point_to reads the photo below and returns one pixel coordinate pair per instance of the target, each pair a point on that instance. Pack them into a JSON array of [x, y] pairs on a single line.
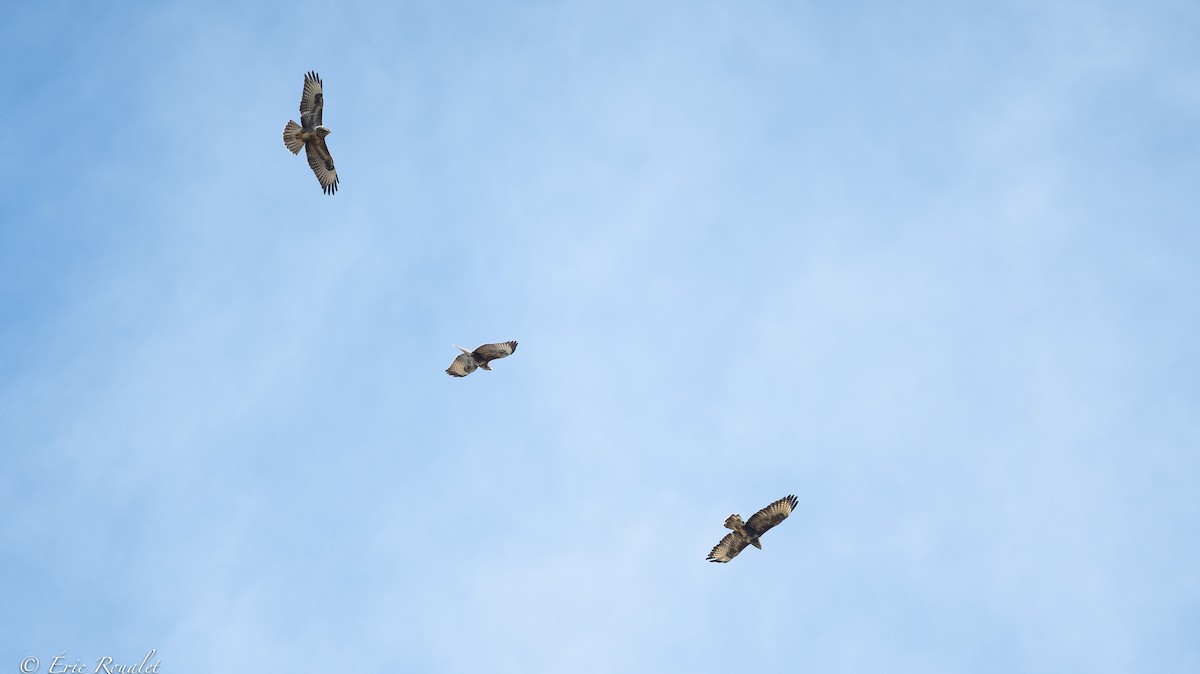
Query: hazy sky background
[[930, 267]]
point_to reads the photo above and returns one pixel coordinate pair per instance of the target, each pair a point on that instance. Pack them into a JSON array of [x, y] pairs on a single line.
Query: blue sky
[[930, 267]]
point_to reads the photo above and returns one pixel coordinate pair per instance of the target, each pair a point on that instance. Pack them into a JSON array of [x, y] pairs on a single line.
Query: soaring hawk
[[310, 134], [747, 533], [468, 361]]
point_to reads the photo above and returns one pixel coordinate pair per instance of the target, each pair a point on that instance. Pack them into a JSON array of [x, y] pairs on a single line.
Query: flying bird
[[310, 134], [747, 533], [468, 361]]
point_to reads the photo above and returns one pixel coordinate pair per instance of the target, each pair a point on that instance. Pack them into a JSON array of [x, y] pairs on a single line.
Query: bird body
[[749, 532], [469, 361], [310, 134]]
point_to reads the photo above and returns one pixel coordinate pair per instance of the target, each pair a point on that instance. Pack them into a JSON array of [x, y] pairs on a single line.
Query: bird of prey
[[468, 361], [747, 533], [310, 134]]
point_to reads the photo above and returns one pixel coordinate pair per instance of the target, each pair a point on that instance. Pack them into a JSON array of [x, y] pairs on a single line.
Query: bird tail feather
[[291, 137], [733, 522]]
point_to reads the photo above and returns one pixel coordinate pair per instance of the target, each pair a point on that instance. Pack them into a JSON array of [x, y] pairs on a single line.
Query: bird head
[[324, 131], [756, 544]]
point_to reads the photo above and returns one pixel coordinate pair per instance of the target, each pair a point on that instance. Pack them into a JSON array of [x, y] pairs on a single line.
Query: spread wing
[[768, 517], [462, 366], [729, 547], [321, 163], [489, 352], [312, 102]]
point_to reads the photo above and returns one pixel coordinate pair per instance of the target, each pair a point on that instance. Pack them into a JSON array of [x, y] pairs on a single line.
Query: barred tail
[[291, 137]]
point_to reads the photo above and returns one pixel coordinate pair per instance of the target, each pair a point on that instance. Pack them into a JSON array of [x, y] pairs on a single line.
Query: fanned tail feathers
[[291, 138]]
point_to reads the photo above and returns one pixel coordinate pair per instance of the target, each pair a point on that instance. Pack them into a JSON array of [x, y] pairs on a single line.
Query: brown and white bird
[[748, 533], [310, 134], [468, 361]]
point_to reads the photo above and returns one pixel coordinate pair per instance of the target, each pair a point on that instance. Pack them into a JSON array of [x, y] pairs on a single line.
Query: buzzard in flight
[[310, 134], [468, 361], [747, 533]]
